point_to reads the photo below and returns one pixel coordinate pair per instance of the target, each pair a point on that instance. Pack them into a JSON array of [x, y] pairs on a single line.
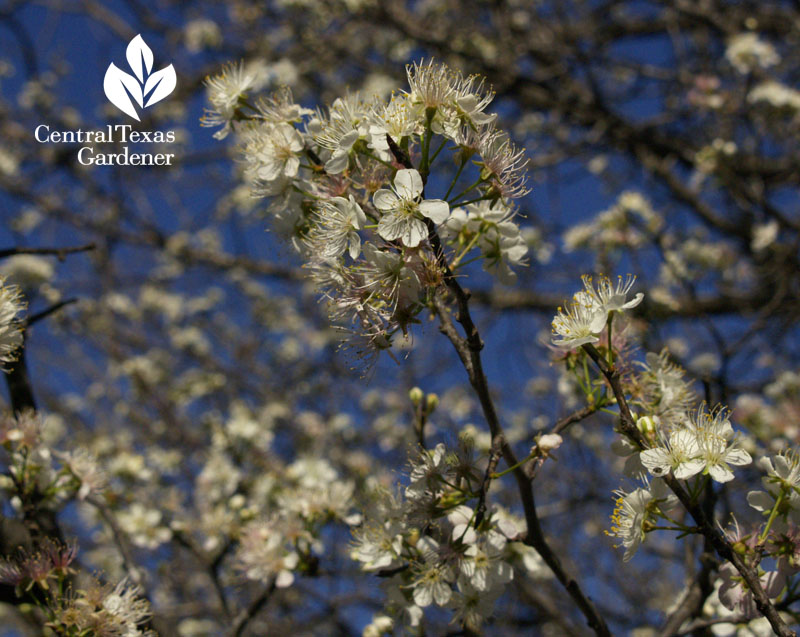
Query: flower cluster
[[11, 305], [40, 568], [492, 228], [662, 388], [687, 445], [782, 484], [37, 467], [704, 443], [733, 592], [772, 417], [435, 548], [747, 52], [225, 92], [630, 223], [41, 576], [674, 439], [588, 312], [350, 187], [102, 609]]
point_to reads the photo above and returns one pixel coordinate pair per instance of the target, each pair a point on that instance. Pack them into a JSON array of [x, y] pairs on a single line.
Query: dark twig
[[692, 601], [249, 613], [531, 468], [20, 389], [35, 318], [210, 564], [125, 548], [61, 253], [420, 420], [700, 624], [494, 457]]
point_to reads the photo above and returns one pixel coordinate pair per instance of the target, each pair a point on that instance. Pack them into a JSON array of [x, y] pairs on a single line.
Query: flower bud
[[647, 425], [416, 395], [431, 402], [549, 442]]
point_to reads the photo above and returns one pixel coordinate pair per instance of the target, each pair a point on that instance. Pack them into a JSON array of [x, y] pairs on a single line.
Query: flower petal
[[292, 166], [355, 245], [688, 469], [284, 579], [415, 231], [385, 200], [337, 163], [435, 209], [346, 142], [391, 227], [656, 460], [737, 456], [720, 473], [408, 183], [760, 500], [633, 302]]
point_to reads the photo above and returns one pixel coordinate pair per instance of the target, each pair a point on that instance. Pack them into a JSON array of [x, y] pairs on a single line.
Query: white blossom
[[681, 456], [340, 220], [275, 151], [609, 297], [629, 519], [11, 305], [403, 212], [345, 125], [225, 92], [747, 52], [580, 324], [434, 579], [718, 447], [143, 525], [499, 237], [484, 565], [266, 550]]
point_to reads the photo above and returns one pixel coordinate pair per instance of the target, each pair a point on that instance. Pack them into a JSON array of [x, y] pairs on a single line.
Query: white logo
[[146, 88]]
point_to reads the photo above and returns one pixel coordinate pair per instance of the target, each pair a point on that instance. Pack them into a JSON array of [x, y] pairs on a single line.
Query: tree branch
[[468, 348], [61, 253], [706, 527], [249, 613]]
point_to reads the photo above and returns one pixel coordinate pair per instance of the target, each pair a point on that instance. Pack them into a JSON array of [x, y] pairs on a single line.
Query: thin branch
[[494, 457], [531, 468], [120, 539], [468, 350], [125, 548], [61, 253], [210, 564], [249, 613], [35, 318], [706, 527], [700, 624], [691, 602]]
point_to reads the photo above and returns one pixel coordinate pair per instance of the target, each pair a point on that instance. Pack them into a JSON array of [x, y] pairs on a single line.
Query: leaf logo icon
[[144, 88]]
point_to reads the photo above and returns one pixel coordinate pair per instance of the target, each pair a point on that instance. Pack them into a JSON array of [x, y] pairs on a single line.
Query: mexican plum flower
[[403, 212], [579, 324]]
